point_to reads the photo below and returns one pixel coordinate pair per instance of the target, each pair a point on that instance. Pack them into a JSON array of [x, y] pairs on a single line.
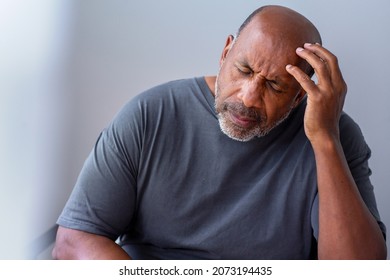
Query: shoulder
[[352, 138], [166, 89], [156, 103], [155, 99]]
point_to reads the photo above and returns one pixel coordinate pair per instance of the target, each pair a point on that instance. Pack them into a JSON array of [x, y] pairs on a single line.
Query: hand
[[325, 99]]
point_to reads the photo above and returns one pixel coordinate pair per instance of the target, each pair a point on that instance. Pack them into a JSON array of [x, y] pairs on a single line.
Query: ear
[[226, 49]]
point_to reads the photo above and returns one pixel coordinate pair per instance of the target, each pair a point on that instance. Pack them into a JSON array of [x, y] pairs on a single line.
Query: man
[[287, 178]]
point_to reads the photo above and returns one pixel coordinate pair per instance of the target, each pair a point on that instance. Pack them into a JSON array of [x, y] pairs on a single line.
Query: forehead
[[261, 41], [265, 56], [267, 47]]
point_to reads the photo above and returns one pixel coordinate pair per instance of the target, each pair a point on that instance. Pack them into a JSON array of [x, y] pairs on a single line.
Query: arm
[[78, 245], [347, 229]]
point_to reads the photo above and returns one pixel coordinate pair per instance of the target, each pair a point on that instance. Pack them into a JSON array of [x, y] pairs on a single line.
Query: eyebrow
[[243, 64], [280, 82], [276, 80]]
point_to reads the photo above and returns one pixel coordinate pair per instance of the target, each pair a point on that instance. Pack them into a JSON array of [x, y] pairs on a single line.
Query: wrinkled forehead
[[274, 38], [259, 44]]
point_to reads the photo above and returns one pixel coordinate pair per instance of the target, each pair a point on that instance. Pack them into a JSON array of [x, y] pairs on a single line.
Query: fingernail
[[307, 44], [299, 49], [288, 66]]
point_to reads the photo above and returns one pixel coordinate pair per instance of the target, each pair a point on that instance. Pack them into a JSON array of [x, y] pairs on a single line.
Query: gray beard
[[238, 133]]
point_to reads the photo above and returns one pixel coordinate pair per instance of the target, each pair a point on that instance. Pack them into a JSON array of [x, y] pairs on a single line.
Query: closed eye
[[244, 70], [274, 86]]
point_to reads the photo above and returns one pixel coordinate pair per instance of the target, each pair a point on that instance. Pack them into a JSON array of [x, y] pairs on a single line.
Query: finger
[[319, 65], [302, 78], [328, 59], [321, 52]]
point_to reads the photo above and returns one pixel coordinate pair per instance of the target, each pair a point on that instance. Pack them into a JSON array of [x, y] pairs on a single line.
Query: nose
[[251, 95]]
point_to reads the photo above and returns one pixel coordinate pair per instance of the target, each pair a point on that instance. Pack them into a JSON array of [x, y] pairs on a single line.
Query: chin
[[242, 135]]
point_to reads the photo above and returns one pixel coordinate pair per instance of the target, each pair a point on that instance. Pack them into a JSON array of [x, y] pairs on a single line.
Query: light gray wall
[[34, 115], [112, 50]]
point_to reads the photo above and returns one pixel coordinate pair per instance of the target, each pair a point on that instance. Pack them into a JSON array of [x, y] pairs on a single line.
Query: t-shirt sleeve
[[104, 197], [357, 154]]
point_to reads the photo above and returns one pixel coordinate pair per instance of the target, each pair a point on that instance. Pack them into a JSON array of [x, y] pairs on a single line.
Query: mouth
[[242, 121]]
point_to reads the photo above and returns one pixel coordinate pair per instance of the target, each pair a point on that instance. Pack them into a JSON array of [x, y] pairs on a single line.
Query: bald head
[[285, 27], [286, 20]]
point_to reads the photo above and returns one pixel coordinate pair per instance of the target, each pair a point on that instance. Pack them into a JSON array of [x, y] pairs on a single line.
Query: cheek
[[277, 107], [223, 87], [228, 86]]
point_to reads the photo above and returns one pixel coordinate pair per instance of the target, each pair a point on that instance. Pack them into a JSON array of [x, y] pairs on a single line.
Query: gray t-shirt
[[164, 179]]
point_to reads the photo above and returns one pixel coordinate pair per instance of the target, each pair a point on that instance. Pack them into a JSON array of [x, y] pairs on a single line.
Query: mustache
[[242, 110]]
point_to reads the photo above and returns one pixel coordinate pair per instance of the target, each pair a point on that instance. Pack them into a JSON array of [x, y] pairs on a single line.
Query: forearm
[[347, 229], [77, 245]]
